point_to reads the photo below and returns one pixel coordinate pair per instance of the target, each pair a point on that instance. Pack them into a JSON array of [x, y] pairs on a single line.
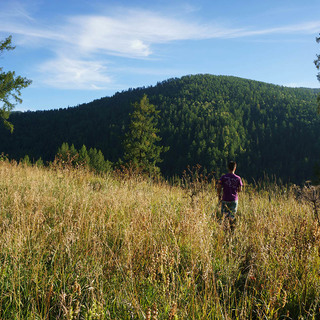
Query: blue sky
[[76, 51]]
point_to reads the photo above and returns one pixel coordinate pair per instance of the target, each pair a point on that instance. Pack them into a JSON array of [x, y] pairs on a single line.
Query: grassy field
[[78, 246]]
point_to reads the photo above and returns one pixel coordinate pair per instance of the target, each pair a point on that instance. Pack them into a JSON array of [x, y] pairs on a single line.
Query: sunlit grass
[[78, 246]]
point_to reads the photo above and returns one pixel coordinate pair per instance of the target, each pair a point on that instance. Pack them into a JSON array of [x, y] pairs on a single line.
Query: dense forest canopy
[[204, 119]]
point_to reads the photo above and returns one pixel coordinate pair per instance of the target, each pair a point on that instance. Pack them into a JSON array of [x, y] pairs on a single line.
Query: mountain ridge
[[205, 119]]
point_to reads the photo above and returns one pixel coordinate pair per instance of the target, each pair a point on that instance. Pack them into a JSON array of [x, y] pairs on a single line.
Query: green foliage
[[3, 157], [141, 149], [83, 155], [10, 86], [25, 161], [97, 161], [205, 119], [69, 157], [39, 163]]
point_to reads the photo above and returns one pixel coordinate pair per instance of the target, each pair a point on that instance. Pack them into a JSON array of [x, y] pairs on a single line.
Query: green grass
[[78, 246]]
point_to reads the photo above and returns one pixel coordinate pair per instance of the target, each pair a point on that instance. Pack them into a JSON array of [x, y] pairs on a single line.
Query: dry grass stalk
[[154, 312], [311, 195], [139, 241], [173, 311], [148, 314]]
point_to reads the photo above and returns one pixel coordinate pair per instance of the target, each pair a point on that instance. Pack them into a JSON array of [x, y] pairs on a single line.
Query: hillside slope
[[205, 119]]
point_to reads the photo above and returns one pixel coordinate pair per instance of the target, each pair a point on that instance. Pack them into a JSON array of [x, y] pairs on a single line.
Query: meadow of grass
[[79, 246]]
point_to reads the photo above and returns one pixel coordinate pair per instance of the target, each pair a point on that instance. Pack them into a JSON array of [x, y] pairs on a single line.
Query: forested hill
[[205, 120]]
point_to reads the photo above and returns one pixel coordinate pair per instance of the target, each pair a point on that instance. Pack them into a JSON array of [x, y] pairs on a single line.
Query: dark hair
[[232, 165]]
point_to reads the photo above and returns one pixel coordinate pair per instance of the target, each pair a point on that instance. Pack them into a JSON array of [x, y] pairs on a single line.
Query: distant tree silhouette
[[317, 63]]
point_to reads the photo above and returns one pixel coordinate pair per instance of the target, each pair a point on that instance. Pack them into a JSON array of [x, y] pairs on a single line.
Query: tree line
[[203, 119], [142, 154]]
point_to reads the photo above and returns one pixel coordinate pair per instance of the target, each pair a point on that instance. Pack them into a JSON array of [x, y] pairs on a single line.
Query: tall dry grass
[[78, 246]]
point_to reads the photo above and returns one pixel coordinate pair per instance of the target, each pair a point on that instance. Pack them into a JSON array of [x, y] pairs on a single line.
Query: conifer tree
[[84, 156], [140, 144], [97, 161], [10, 86], [317, 63]]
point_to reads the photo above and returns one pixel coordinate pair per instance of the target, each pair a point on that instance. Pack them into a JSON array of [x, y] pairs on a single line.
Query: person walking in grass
[[229, 185]]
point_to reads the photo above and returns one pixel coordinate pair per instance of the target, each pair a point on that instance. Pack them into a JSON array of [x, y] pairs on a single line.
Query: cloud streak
[[131, 34], [67, 73], [302, 28]]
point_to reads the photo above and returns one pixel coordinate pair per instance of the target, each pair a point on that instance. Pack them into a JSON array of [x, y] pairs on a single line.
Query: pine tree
[[10, 86], [84, 156], [97, 161], [317, 63], [140, 144]]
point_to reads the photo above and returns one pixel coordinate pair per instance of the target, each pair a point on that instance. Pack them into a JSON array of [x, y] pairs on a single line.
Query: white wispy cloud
[[133, 33], [92, 34], [16, 9], [67, 73], [300, 28], [78, 42]]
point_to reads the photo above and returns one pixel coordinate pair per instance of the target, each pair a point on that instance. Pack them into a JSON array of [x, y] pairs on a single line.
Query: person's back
[[231, 184]]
